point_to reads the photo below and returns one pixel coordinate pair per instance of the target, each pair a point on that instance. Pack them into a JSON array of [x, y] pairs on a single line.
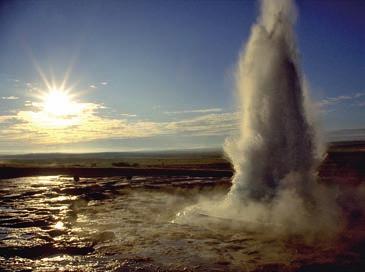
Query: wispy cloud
[[4, 118], [195, 111], [128, 115], [330, 101], [104, 83], [92, 86], [10, 97], [209, 124], [90, 125], [28, 103]]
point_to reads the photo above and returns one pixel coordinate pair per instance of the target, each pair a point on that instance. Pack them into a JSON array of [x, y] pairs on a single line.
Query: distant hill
[[112, 155], [333, 146]]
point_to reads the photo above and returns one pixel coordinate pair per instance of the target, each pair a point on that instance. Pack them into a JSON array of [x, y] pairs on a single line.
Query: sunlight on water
[[106, 224], [59, 225], [45, 180]]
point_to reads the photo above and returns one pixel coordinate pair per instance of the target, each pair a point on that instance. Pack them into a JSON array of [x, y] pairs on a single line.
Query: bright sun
[[58, 102], [58, 109]]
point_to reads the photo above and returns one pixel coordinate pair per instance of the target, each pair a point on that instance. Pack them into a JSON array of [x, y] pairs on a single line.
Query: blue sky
[[159, 74]]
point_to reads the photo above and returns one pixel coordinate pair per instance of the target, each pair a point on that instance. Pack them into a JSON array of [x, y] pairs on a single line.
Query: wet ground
[[127, 224]]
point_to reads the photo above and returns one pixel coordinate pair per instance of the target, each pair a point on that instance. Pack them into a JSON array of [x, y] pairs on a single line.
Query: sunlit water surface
[[119, 224]]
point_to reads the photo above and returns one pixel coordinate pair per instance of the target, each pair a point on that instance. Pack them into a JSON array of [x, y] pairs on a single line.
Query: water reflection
[[115, 224], [59, 225]]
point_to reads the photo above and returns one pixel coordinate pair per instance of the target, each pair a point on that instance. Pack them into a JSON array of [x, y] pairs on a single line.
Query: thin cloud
[[4, 118], [357, 95], [90, 125], [87, 125], [209, 124], [128, 115], [104, 83], [10, 97], [195, 111], [28, 104], [331, 101], [92, 86]]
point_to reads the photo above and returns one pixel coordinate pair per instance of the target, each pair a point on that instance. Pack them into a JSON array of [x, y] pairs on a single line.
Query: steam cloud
[[278, 150]]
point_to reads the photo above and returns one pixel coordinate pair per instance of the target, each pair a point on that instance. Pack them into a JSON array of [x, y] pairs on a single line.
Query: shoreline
[[88, 172], [340, 166]]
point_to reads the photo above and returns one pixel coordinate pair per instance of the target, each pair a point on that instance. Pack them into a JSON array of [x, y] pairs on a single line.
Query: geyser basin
[[275, 189], [114, 224]]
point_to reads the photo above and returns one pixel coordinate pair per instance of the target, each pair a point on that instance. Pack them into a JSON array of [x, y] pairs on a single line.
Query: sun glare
[[57, 106], [58, 102], [59, 225], [57, 109]]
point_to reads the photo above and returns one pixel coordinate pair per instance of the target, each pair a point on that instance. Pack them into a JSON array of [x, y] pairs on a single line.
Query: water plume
[[278, 149], [276, 154], [276, 146]]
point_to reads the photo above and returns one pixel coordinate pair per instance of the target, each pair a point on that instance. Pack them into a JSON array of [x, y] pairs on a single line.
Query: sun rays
[[58, 102], [57, 105], [61, 104]]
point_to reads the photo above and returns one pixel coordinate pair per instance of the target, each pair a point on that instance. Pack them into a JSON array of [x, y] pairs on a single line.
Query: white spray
[[276, 147], [277, 151]]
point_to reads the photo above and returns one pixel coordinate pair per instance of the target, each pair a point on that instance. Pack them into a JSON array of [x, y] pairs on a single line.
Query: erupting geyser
[[276, 147], [277, 151]]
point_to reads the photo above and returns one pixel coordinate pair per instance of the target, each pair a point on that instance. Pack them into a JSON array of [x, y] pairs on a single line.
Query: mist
[[279, 149]]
